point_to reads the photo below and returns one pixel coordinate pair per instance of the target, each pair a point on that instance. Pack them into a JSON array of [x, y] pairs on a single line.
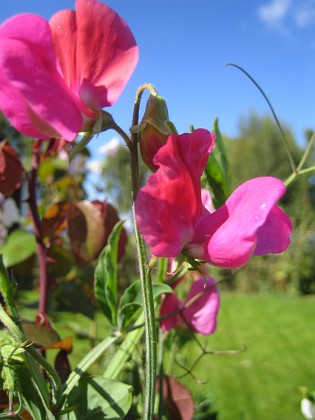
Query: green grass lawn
[[261, 382]]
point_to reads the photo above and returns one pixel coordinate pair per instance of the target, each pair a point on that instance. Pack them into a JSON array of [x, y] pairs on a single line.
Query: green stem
[[150, 329], [293, 176], [161, 375], [145, 274], [307, 152]]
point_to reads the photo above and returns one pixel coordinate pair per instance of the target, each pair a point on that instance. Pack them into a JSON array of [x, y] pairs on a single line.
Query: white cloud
[[284, 15], [304, 14], [274, 12], [110, 148]]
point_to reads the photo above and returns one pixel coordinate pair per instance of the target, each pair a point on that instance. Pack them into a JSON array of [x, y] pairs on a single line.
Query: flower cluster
[[173, 219], [175, 216]]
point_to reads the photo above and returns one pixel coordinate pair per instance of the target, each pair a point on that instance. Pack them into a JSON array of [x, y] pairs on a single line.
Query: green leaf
[[105, 286], [7, 289], [131, 301], [87, 361], [30, 395], [217, 170], [19, 247], [97, 398]]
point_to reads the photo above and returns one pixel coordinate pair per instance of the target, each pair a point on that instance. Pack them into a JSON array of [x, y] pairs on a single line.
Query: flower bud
[[154, 129]]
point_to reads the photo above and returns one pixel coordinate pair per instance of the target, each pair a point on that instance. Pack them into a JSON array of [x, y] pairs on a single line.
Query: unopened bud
[[154, 129]]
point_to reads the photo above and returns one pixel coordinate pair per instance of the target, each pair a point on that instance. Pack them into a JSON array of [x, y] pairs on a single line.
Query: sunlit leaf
[[131, 301], [20, 246], [98, 398], [30, 395], [105, 287], [217, 171], [7, 288]]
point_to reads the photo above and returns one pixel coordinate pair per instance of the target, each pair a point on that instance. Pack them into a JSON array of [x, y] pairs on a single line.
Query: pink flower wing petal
[[233, 228], [106, 54], [201, 315], [33, 96], [274, 235]]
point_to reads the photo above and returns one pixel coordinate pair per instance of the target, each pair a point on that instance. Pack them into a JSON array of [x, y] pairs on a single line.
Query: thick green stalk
[[147, 297], [145, 274], [150, 330]]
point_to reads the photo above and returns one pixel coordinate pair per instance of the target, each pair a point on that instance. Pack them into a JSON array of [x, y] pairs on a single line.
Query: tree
[[259, 151]]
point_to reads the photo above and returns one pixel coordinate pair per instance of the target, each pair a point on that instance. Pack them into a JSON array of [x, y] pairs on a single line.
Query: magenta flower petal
[[274, 235], [33, 95], [202, 308], [101, 45], [201, 314], [56, 78], [64, 34], [169, 205], [171, 304], [233, 231]]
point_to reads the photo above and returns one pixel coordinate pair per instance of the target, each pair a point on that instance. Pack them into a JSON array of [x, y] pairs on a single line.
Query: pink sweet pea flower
[[201, 308], [172, 218], [55, 77]]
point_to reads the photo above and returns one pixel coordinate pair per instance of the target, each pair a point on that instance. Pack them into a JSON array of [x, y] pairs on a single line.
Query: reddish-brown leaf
[[40, 335], [86, 230], [54, 221], [177, 399], [89, 225], [11, 170], [62, 365], [64, 345]]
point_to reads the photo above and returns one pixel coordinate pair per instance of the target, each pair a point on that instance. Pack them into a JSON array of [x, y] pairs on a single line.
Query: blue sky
[[184, 45]]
